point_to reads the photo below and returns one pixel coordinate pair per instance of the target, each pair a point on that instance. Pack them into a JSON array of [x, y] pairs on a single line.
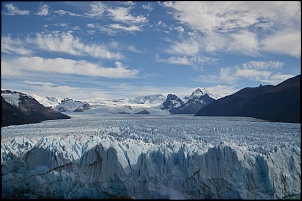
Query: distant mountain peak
[[199, 92]]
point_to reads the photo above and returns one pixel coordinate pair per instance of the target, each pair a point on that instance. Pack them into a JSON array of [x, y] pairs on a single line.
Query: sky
[[115, 49]]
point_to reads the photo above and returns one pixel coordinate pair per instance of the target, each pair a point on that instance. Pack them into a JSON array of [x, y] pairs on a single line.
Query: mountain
[[201, 92], [156, 99], [198, 99], [47, 101], [19, 108], [171, 102], [69, 105], [280, 103]]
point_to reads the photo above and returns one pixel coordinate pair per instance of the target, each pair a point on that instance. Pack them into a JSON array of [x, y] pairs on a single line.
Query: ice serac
[[102, 167]]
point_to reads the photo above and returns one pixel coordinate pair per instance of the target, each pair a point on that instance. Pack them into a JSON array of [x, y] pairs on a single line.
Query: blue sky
[[121, 49]]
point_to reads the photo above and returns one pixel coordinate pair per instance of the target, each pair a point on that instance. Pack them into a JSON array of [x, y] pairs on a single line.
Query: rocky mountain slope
[[19, 108]]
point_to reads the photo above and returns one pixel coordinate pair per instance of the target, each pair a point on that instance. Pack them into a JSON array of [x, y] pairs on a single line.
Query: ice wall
[[101, 167]]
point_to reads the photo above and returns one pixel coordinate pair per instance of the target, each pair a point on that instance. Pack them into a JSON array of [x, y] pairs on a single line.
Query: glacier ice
[[151, 157]]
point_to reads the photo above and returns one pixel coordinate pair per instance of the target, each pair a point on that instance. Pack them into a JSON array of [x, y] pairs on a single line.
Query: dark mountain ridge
[[29, 110], [280, 103]]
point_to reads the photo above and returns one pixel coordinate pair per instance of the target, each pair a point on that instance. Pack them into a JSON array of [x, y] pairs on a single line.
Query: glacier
[[101, 156]]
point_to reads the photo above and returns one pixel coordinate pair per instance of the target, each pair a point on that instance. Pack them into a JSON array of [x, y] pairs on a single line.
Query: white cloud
[[113, 29], [13, 10], [134, 49], [122, 14], [189, 48], [14, 46], [125, 28], [38, 83], [62, 91], [128, 3], [148, 6], [244, 42], [258, 71], [242, 27], [96, 9], [67, 43], [285, 42], [193, 61], [43, 10], [15, 66], [252, 74], [63, 12], [262, 65]]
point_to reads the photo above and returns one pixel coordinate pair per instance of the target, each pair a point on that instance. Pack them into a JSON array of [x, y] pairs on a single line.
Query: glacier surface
[[151, 157]]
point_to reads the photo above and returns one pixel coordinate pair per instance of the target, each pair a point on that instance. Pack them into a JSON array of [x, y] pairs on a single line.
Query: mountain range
[[280, 103]]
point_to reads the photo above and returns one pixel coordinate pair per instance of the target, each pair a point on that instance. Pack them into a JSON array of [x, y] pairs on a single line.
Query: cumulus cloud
[[14, 10], [43, 10], [15, 66]]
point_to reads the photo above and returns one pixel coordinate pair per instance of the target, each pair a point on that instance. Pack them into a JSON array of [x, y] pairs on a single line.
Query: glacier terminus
[[142, 156]]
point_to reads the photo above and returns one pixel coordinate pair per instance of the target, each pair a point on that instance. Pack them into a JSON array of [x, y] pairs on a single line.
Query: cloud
[[190, 48], [96, 9], [122, 14], [43, 10], [193, 61], [244, 42], [67, 43], [242, 27], [261, 65], [258, 71], [149, 7], [14, 46], [63, 12], [285, 42], [15, 66], [62, 91], [13, 10], [38, 83], [134, 49], [113, 29]]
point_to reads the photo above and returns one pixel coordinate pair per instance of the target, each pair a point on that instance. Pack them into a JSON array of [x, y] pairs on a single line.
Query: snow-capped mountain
[[201, 92], [154, 100], [69, 105], [190, 104], [19, 108], [172, 101], [47, 101]]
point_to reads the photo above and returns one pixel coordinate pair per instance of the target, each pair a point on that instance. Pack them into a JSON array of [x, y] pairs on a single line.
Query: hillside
[[18, 108], [280, 103]]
